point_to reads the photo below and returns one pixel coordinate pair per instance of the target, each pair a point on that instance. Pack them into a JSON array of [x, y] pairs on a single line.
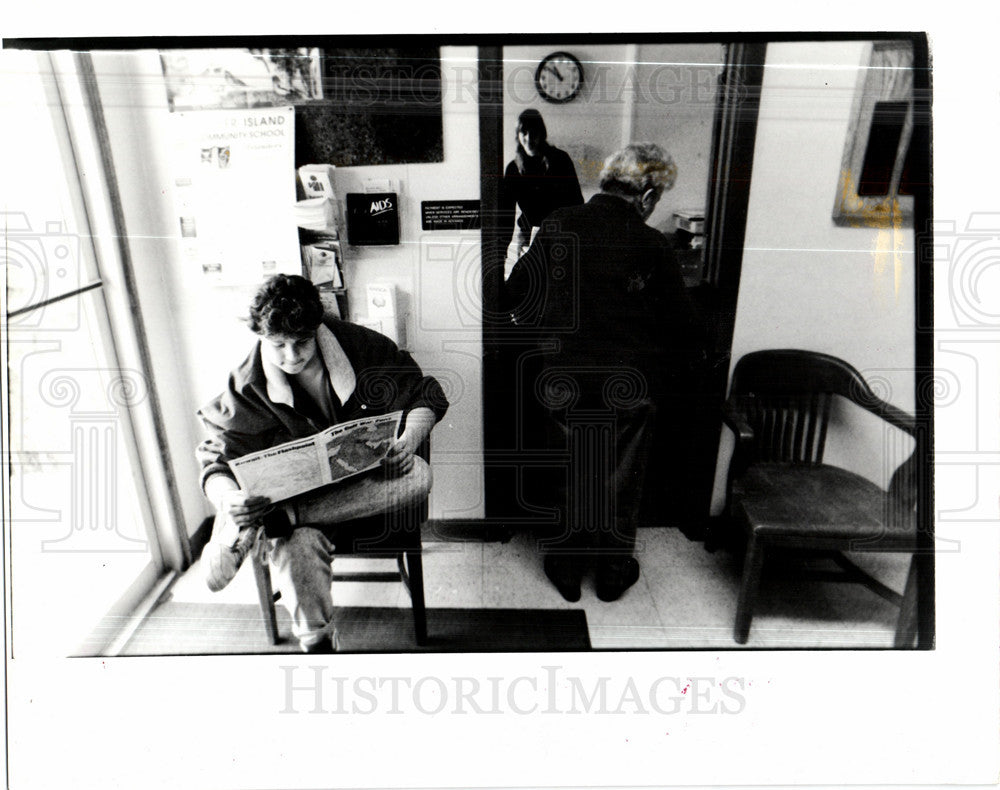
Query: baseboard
[[485, 530], [500, 530]]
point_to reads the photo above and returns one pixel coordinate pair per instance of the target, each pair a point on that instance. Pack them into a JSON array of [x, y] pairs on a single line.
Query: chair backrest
[[786, 395]]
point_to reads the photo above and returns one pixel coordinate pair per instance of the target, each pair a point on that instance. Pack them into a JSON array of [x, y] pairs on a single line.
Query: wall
[[675, 107], [194, 331], [807, 283], [438, 276], [662, 93], [853, 287]]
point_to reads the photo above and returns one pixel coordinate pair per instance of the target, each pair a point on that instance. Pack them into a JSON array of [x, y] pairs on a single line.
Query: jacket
[[539, 185], [606, 287], [368, 373]]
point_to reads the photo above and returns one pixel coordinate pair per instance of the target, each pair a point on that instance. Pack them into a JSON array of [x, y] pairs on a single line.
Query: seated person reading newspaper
[[272, 430]]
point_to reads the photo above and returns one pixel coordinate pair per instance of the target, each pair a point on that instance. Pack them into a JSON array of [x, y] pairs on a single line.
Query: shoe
[[614, 577], [220, 562], [564, 573], [324, 646]]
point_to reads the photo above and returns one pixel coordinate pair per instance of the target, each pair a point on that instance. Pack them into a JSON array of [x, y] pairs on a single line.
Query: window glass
[[77, 533]]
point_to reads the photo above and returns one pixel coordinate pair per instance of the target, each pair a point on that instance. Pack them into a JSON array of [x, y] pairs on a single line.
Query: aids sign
[[373, 218]]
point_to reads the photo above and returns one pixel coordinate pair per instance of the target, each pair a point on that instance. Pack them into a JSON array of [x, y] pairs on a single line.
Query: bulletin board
[[234, 187]]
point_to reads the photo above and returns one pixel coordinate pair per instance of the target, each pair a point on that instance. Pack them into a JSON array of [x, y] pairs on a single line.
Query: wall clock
[[559, 77]]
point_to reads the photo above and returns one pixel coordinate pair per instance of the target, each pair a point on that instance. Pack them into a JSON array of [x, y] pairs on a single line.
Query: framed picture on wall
[[369, 95], [875, 186], [231, 78]]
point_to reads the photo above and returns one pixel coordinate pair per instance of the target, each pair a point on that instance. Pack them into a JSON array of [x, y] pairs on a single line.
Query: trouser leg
[[601, 490], [633, 437], [368, 495], [569, 537], [617, 568], [301, 566]]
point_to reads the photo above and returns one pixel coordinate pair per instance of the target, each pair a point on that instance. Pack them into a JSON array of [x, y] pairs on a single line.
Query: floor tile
[[369, 594], [685, 596], [513, 577], [697, 604], [630, 622], [454, 578], [668, 547]]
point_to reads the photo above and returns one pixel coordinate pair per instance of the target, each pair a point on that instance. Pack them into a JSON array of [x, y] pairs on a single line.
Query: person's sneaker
[[324, 646], [220, 559], [564, 573], [614, 577]]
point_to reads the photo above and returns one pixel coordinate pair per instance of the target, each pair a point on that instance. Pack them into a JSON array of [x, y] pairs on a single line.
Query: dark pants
[[606, 432]]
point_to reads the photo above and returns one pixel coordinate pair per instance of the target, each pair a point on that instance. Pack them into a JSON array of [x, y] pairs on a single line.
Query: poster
[[228, 78], [234, 181]]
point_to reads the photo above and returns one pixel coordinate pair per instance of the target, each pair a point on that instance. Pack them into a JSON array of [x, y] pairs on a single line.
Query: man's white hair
[[637, 168]]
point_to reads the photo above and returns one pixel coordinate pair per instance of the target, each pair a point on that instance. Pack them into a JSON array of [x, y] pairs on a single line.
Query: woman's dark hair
[[530, 121], [286, 304]]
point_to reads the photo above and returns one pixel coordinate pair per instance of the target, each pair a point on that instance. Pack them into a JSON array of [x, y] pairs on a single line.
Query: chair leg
[[906, 626], [415, 571], [752, 565], [262, 574]]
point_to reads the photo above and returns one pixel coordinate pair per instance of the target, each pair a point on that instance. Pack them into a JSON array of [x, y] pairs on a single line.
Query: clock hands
[[555, 71]]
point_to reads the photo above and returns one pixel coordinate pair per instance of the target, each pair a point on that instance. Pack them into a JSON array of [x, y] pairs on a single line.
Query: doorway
[[699, 100]]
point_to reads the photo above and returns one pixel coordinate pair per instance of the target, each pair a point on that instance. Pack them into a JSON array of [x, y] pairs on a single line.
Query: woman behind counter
[[539, 179]]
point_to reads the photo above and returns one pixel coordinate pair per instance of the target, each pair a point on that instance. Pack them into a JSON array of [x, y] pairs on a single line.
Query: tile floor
[[685, 597]]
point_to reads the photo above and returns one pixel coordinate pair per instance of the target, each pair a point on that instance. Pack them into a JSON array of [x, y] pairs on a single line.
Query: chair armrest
[[892, 415], [743, 451], [736, 422]]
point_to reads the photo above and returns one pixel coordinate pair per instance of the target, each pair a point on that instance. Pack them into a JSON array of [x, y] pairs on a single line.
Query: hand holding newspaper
[[302, 465]]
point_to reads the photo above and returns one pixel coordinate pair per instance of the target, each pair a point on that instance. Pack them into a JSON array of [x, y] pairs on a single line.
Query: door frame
[[734, 134]]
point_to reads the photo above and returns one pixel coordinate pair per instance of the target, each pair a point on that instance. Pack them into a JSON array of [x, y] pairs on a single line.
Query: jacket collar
[[617, 202], [338, 368]]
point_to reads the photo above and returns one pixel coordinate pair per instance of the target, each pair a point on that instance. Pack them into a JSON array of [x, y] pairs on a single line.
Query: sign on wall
[[373, 218], [450, 215], [234, 180]]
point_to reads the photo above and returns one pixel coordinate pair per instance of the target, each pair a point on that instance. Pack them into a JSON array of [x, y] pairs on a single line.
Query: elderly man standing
[[605, 293]]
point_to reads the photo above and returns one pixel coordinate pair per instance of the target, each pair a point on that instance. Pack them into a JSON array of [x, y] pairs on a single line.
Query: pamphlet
[[302, 465]]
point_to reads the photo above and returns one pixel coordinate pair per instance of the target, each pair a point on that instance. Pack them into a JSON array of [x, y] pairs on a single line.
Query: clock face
[[559, 77]]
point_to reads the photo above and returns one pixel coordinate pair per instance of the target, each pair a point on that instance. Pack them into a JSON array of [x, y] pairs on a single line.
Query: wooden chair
[[784, 495], [392, 535]]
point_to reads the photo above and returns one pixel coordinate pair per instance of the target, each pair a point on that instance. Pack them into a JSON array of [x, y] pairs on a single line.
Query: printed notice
[[450, 215], [234, 189], [337, 453]]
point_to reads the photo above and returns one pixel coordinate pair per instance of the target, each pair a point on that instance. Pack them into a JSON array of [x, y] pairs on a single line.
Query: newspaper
[[302, 465]]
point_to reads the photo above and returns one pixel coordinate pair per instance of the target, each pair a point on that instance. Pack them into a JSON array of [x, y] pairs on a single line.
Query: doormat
[[180, 628]]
